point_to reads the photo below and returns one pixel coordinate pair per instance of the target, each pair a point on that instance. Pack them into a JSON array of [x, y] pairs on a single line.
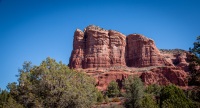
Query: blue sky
[[31, 30]]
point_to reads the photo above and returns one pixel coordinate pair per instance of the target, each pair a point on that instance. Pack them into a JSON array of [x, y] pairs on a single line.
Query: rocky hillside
[[110, 55]]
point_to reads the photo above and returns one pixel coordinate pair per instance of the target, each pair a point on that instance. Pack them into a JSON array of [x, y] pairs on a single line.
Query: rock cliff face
[[142, 52], [77, 56], [97, 48], [177, 57], [117, 48], [164, 76], [109, 55]]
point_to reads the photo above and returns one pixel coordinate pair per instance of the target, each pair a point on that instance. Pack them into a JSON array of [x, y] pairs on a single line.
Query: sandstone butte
[[109, 55]]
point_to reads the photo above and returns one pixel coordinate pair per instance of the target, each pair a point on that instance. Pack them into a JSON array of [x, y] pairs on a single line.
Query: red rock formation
[[103, 80], [98, 52], [117, 48], [77, 56], [156, 75], [98, 48], [177, 57], [142, 52], [164, 76]]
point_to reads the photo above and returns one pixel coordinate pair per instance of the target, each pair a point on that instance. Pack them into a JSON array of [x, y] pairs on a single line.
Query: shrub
[[99, 97], [113, 89], [149, 102], [106, 99], [173, 97], [153, 89]]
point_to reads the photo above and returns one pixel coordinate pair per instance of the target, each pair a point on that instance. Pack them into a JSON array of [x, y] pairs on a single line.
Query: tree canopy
[[134, 92], [173, 97], [53, 85], [195, 63], [113, 89], [196, 47]]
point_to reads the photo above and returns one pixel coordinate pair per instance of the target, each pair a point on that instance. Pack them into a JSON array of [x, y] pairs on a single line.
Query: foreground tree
[[113, 89], [153, 89], [53, 85], [11, 103], [149, 101], [6, 100], [134, 92], [4, 95], [194, 63], [100, 98], [173, 97], [194, 68], [196, 47]]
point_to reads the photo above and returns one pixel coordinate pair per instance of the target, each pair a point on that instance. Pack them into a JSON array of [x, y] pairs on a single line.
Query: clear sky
[[31, 30]]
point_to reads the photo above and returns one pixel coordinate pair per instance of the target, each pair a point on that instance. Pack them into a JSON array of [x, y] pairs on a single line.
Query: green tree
[[173, 97], [194, 62], [149, 102], [11, 103], [153, 89], [113, 89], [196, 47], [194, 95], [4, 95], [134, 92], [99, 97], [6, 100], [53, 84], [106, 99], [13, 87], [194, 70]]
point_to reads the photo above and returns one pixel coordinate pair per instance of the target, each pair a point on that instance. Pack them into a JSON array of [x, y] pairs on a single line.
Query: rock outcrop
[[97, 52], [164, 76], [142, 52], [117, 48], [98, 48], [150, 75], [77, 55], [177, 57], [104, 79]]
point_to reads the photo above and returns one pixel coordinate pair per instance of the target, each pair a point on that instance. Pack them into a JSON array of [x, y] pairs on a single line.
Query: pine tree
[[173, 97], [53, 85], [134, 92], [113, 89]]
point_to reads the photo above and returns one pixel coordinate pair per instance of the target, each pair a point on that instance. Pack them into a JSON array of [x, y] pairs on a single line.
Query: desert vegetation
[[54, 85], [51, 85]]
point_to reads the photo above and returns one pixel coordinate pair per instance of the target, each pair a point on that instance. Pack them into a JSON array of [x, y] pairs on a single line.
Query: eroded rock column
[[142, 52], [77, 56], [96, 48], [117, 48]]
